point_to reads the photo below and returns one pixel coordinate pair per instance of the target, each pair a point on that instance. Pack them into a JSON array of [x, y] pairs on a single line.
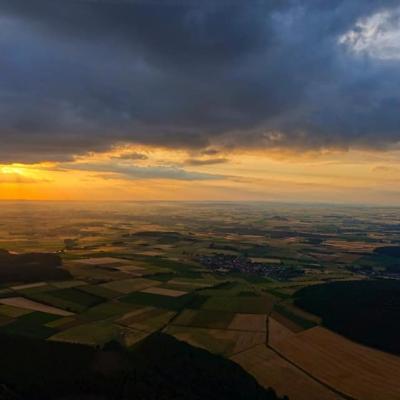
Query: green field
[[68, 284], [99, 291], [13, 312], [68, 299], [108, 310], [94, 333], [129, 285], [204, 319], [232, 288], [147, 319], [32, 325], [4, 320], [294, 317], [170, 303], [77, 296], [240, 304], [185, 270]]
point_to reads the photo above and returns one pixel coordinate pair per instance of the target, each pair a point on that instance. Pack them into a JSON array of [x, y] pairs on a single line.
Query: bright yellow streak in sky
[[353, 176]]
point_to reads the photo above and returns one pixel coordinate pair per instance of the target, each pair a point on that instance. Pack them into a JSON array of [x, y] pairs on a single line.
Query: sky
[[278, 100]]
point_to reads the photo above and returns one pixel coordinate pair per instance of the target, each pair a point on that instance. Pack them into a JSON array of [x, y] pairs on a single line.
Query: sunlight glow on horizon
[[142, 173]]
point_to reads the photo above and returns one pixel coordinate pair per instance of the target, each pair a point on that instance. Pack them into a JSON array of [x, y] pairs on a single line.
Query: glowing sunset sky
[[294, 100]]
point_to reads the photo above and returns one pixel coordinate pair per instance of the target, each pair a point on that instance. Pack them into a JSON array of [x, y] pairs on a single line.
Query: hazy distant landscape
[[288, 298]]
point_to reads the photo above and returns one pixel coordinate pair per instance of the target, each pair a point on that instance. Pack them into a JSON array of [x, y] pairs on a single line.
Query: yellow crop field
[[271, 370], [277, 332], [249, 322], [355, 370], [27, 304]]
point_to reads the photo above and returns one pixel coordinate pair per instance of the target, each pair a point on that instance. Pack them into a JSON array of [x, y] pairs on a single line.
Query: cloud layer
[[112, 171], [79, 76]]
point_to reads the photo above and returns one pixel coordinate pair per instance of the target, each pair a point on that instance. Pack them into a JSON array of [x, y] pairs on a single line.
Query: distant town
[[221, 263]]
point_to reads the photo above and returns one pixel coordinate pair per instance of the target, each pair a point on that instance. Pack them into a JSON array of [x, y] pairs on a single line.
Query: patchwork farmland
[[285, 323]]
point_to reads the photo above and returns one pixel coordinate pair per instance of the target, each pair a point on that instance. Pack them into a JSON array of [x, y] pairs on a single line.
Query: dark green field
[[170, 303], [365, 311], [32, 325]]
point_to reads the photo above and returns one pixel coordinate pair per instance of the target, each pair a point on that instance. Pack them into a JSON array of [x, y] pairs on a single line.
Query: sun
[[13, 170]]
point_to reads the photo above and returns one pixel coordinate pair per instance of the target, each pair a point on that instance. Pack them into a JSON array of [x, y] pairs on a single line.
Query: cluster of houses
[[222, 263]]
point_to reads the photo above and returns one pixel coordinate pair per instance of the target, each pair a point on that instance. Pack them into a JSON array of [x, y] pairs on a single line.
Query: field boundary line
[[327, 386], [217, 329], [242, 351]]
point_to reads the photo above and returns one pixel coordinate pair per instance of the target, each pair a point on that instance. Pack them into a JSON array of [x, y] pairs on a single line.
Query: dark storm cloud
[[79, 76], [208, 161], [131, 156]]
